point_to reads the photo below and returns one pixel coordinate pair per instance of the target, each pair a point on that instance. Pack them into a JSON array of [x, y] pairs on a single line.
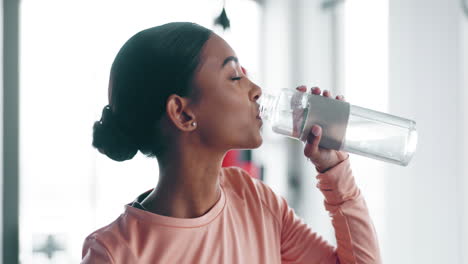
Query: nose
[[255, 92]]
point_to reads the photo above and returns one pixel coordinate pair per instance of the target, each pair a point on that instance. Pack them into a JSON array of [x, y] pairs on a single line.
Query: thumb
[[313, 140]]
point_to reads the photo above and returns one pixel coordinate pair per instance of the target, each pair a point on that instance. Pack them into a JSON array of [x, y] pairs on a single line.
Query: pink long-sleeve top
[[248, 224]]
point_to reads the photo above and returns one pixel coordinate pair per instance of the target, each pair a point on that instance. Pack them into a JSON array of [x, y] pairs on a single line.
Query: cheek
[[226, 114], [231, 113]]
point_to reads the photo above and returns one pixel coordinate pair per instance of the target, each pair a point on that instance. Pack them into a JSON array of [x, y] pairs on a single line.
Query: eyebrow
[[228, 59]]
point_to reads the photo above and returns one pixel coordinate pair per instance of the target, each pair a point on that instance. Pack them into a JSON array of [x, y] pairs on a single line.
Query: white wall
[[423, 206], [1, 132], [464, 155]]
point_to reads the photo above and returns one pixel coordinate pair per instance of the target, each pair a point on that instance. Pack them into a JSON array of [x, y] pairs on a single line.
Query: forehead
[[215, 50]]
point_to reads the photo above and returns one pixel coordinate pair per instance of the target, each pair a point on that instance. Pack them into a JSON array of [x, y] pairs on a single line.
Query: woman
[[178, 93]]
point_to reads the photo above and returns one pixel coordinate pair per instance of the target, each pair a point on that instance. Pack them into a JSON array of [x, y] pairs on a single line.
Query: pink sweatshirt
[[248, 224]]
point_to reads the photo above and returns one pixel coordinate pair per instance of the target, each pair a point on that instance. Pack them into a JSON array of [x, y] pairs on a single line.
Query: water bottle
[[345, 127]]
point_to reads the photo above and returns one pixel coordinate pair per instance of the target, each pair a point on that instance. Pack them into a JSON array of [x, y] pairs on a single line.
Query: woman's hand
[[323, 159]]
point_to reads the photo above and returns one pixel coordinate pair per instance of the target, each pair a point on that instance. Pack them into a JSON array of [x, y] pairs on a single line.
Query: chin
[[252, 141], [258, 142]]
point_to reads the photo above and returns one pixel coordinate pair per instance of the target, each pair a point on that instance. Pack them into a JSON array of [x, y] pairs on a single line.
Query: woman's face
[[226, 109]]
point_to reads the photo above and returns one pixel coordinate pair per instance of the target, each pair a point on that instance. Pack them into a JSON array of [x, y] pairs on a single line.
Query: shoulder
[[106, 232], [95, 248], [246, 187], [106, 240]]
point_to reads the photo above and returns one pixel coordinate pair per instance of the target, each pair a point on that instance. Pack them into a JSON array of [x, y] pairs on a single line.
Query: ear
[[179, 113]]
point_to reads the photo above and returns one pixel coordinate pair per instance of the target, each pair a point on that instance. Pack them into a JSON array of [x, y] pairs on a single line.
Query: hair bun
[[110, 140]]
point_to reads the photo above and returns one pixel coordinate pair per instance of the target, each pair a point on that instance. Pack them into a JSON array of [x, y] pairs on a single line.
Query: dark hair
[[150, 66]]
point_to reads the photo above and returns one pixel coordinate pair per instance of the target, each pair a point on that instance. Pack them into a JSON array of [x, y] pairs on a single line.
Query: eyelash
[[236, 78]]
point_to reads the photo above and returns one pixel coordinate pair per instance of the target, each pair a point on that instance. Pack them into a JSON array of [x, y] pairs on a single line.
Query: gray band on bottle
[[332, 115]]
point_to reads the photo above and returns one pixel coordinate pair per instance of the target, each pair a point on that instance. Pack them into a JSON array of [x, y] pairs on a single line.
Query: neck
[[188, 184]]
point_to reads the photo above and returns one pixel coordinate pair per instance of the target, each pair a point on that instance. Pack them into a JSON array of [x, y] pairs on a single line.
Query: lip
[[260, 120], [258, 116]]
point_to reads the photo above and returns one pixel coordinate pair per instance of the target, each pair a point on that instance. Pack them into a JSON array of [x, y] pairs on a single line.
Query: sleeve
[[94, 252], [299, 244], [354, 231]]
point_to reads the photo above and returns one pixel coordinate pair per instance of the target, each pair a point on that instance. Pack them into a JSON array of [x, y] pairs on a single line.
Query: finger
[[308, 151], [326, 93], [340, 97], [313, 141], [317, 132], [315, 90], [302, 88]]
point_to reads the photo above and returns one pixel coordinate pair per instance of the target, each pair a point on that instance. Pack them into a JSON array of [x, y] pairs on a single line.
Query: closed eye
[[236, 78]]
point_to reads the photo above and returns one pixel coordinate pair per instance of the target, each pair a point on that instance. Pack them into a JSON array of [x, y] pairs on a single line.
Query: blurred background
[[405, 57]]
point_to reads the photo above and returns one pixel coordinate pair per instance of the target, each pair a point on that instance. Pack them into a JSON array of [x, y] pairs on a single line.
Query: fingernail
[[316, 131], [302, 88]]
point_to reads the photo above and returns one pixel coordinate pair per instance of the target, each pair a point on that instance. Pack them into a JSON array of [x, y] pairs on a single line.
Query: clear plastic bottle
[[345, 127]]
